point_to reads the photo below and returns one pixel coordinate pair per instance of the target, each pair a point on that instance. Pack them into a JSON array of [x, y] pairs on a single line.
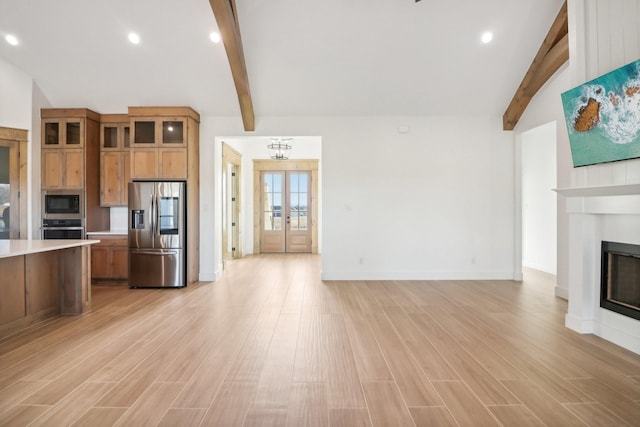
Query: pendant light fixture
[[279, 148]]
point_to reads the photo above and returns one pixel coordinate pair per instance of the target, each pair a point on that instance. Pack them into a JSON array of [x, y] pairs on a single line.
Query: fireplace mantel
[[600, 190], [597, 213], [603, 200]]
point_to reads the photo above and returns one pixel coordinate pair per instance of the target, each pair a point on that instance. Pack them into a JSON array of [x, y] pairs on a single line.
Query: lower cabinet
[[110, 257]]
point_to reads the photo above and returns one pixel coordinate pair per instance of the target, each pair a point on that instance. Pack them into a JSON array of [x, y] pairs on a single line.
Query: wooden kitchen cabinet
[[110, 257], [70, 158], [162, 138], [62, 169], [114, 160], [160, 131], [63, 142], [61, 132]]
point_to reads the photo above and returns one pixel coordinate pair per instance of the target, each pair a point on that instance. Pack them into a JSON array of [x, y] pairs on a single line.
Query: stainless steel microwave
[[62, 204]]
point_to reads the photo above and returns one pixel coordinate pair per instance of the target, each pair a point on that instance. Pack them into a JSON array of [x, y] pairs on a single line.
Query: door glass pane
[[298, 200], [272, 201], [126, 136], [168, 215], [172, 132], [73, 133], [294, 202], [145, 132], [110, 136], [294, 224], [303, 183], [52, 133]]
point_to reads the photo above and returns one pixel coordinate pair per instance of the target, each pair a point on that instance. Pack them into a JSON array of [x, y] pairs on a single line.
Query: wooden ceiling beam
[[227, 19], [553, 53]]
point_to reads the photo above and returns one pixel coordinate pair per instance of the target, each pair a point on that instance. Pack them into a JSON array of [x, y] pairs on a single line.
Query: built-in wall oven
[[72, 228], [63, 214]]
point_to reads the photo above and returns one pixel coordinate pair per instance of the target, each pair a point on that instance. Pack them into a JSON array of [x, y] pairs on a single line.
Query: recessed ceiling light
[[11, 39], [134, 38], [487, 37], [215, 37]]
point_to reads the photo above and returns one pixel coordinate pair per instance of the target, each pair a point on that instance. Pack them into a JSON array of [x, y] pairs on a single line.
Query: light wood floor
[[271, 344]]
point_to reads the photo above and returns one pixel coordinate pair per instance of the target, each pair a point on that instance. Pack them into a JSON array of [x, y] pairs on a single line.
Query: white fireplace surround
[[610, 213]]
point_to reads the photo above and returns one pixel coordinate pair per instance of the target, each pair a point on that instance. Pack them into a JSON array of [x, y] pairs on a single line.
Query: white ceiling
[[320, 57]]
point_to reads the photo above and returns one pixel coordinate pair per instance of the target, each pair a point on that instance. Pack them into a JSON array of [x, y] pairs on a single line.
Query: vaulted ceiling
[[303, 57]]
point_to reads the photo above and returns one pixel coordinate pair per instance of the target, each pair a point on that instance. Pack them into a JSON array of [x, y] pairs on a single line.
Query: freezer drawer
[[156, 268]]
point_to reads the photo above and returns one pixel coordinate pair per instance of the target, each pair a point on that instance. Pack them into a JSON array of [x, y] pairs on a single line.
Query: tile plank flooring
[[271, 344]]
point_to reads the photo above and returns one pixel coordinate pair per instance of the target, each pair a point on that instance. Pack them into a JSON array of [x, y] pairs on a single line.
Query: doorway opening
[[538, 174], [13, 183], [231, 165]]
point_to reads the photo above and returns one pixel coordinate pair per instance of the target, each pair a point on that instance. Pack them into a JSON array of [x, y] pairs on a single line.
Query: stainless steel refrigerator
[[157, 234]]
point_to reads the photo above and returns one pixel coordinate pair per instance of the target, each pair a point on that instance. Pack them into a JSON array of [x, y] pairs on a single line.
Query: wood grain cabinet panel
[[110, 257], [114, 160], [173, 163], [12, 294], [144, 163], [51, 169], [73, 168]]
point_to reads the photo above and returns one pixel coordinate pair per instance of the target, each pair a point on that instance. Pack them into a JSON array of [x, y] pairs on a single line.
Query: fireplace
[[620, 278]]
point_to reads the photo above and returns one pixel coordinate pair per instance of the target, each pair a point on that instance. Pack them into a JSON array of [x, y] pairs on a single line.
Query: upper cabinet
[[163, 141], [114, 159], [159, 131], [65, 133]]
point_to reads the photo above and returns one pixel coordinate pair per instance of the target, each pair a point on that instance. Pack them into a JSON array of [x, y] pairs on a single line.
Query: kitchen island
[[41, 279]]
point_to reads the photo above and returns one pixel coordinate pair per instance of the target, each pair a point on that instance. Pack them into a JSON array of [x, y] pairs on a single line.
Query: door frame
[[230, 155], [284, 165], [16, 140]]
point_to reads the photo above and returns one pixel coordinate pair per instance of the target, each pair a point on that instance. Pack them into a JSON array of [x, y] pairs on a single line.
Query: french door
[[286, 211]]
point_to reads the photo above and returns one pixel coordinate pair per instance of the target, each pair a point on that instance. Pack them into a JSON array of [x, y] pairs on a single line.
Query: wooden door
[[111, 180], [286, 211], [298, 211], [120, 258], [73, 169], [173, 163], [144, 163], [100, 262], [51, 169]]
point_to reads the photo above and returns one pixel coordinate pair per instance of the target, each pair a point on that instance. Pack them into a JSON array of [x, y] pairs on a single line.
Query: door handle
[[164, 253]]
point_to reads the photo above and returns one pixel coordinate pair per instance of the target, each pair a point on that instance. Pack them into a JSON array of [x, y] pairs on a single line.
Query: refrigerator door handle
[[157, 221], [156, 253], [153, 215]]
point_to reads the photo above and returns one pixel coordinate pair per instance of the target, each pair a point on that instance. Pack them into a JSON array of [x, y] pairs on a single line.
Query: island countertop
[[10, 248]]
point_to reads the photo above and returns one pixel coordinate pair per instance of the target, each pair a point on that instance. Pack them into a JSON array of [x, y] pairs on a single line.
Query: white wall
[[436, 202], [15, 97], [539, 207]]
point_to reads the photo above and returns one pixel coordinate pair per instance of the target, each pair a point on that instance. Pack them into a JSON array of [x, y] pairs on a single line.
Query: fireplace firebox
[[620, 278]]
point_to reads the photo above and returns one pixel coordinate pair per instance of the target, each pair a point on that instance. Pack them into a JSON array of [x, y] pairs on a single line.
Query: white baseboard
[[579, 325], [417, 275], [562, 292]]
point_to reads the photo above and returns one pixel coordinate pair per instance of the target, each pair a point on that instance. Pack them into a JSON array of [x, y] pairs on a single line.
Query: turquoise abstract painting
[[603, 117]]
